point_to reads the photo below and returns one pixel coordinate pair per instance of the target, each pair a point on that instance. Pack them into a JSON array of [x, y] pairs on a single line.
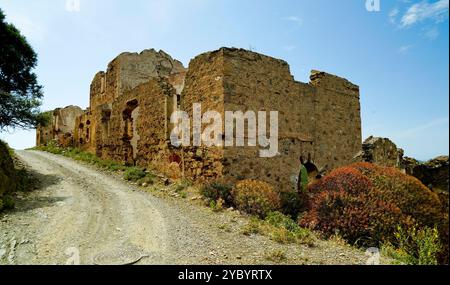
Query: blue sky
[[398, 55]]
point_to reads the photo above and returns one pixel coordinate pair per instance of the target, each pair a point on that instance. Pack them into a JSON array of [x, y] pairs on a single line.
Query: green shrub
[[292, 203], [304, 180], [183, 185], [281, 229], [8, 202], [148, 179], [134, 174], [415, 246], [255, 197], [216, 191]]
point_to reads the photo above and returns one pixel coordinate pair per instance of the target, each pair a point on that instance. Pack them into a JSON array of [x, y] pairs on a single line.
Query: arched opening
[[80, 133], [130, 136], [311, 168], [313, 171]]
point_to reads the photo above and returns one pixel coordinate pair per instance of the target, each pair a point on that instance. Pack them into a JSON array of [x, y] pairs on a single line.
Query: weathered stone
[[128, 119], [434, 173], [61, 127], [381, 151]]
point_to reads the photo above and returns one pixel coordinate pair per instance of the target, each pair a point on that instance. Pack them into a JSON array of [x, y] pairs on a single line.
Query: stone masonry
[[60, 128], [128, 119]]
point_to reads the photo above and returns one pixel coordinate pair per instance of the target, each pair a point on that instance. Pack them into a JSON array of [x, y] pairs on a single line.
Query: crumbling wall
[[254, 82], [124, 73], [319, 123], [434, 173], [130, 106], [337, 112], [203, 84], [137, 125], [60, 128], [382, 151]]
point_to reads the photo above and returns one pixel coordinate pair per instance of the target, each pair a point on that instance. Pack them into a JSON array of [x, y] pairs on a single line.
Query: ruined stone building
[[128, 119], [60, 128]]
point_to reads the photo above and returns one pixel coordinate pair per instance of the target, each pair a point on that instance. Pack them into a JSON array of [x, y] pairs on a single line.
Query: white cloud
[[73, 5], [393, 15], [298, 21], [404, 49], [436, 11], [431, 33]]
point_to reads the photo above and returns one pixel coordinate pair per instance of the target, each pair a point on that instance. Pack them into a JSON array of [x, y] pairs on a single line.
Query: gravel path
[[79, 211]]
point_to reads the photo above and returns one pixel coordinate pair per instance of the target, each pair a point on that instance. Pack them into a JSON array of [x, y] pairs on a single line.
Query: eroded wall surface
[[61, 127]]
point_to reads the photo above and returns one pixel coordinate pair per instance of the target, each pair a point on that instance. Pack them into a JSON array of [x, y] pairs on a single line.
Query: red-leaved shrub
[[346, 203], [366, 203]]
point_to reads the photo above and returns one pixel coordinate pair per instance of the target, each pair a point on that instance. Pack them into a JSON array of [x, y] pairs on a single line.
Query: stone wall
[[319, 122], [382, 151], [434, 173], [128, 119], [61, 127]]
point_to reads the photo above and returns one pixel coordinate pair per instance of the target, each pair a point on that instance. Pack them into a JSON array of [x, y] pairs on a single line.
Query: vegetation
[[280, 228], [133, 174], [255, 197], [277, 256], [217, 190], [365, 204], [20, 94], [415, 246], [12, 179]]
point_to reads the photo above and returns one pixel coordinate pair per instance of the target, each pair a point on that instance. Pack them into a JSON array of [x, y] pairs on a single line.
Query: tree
[[20, 94]]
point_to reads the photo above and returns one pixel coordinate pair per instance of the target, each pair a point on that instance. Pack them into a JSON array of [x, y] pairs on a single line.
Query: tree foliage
[[20, 93]]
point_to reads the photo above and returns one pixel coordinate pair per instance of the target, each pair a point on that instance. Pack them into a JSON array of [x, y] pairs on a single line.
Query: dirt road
[[79, 211]]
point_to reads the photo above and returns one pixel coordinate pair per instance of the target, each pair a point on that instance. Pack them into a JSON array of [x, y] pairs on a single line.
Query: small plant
[[216, 191], [292, 203], [6, 203], [304, 180], [415, 246], [216, 206], [225, 228], [147, 180], [280, 228], [183, 185], [134, 174], [277, 256], [255, 197], [253, 227]]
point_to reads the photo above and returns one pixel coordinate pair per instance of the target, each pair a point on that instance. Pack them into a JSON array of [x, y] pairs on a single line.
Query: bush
[[133, 174], [365, 204], [407, 192], [346, 203], [292, 203], [255, 197], [216, 191], [415, 246]]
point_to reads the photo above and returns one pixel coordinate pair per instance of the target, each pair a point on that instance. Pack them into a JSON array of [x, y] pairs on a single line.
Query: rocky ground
[[80, 214]]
